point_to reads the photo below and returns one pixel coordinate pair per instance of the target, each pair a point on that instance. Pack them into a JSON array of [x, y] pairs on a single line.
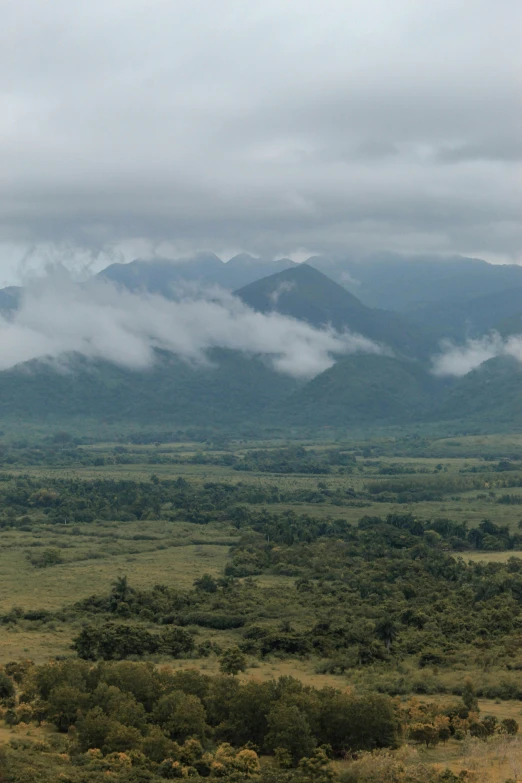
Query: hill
[[489, 395], [361, 389], [304, 293], [232, 388]]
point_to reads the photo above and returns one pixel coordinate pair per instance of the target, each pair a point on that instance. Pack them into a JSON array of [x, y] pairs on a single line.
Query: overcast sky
[[134, 127]]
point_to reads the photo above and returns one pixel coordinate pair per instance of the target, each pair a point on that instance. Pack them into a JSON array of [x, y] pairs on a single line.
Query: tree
[[48, 558], [442, 724], [121, 738], [469, 696], [233, 661], [317, 768], [288, 728], [181, 716], [352, 723], [248, 711], [157, 746], [386, 631], [120, 593], [64, 706], [490, 725], [176, 641], [235, 765], [93, 728], [426, 733], [11, 718]]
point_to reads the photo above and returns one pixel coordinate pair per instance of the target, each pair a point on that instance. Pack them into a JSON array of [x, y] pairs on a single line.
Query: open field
[[94, 555]]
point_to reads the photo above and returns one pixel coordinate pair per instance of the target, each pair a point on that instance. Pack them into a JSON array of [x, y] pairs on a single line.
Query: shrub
[[232, 661]]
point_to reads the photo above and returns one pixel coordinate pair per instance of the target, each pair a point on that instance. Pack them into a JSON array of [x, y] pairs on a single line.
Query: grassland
[[176, 552], [94, 554]]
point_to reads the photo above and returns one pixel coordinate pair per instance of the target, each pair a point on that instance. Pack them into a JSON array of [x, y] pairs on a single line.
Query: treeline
[[391, 587], [76, 500], [24, 498], [415, 489], [290, 528], [297, 459]]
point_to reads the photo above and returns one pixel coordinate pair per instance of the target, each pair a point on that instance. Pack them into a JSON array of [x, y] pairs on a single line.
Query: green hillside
[[232, 388], [362, 389], [488, 395]]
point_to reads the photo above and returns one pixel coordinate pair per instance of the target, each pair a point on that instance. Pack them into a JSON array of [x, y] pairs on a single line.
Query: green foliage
[[49, 557], [180, 715], [7, 687], [232, 661], [289, 729], [116, 641]]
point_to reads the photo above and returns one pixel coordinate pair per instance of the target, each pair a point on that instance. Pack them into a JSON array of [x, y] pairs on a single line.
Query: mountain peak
[[302, 292], [307, 294]]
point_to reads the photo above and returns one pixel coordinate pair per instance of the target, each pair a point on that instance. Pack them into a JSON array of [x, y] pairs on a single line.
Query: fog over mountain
[[292, 349], [99, 321]]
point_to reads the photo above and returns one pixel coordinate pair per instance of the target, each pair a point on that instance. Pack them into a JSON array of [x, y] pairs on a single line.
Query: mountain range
[[426, 300]]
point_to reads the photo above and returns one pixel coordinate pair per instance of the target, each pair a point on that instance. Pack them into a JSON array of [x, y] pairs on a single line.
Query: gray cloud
[[272, 127], [98, 320]]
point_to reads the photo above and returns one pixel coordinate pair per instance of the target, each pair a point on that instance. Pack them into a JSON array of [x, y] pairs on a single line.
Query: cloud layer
[[98, 320], [458, 360], [269, 127]]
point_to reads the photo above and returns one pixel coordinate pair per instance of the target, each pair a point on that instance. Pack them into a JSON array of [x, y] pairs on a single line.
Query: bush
[[218, 620], [7, 688], [49, 557]]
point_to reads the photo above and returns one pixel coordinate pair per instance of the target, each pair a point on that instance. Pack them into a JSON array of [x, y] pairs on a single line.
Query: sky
[[138, 128]]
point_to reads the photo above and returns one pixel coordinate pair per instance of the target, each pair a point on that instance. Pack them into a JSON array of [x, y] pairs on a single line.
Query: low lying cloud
[[100, 321], [284, 287], [458, 360]]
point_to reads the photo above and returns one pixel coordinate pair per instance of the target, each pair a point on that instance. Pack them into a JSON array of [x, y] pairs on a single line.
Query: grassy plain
[[95, 553], [175, 553]]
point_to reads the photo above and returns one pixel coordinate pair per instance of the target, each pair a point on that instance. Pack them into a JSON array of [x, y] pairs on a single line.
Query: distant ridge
[[160, 276], [404, 283]]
